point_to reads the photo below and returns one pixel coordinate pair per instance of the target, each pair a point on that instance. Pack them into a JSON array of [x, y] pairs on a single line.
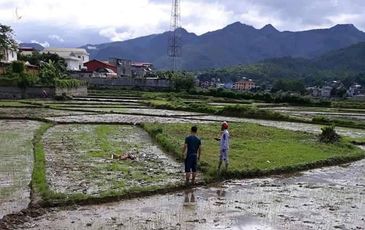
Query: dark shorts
[[191, 163]]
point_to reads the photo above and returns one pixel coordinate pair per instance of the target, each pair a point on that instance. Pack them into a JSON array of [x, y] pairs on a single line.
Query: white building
[[9, 56], [74, 57]]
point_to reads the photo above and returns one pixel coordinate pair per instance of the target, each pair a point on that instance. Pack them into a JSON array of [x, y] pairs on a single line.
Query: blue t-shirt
[[193, 143]]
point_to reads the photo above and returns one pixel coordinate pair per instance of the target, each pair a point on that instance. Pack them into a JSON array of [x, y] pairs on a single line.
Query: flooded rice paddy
[[78, 161], [329, 198], [16, 164]]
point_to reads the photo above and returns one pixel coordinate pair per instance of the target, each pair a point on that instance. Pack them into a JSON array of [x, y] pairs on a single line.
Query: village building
[[94, 65], [140, 69], [27, 50], [326, 91], [354, 90], [244, 84], [74, 57]]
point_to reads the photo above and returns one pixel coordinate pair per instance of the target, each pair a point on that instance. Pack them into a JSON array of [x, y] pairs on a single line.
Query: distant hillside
[[32, 45], [338, 64], [350, 59], [233, 45]]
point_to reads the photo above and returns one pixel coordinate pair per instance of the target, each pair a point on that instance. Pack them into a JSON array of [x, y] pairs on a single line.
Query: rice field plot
[[35, 113], [78, 161], [16, 154]]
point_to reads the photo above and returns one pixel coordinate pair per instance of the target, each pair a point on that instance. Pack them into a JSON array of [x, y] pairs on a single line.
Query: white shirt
[[224, 143]]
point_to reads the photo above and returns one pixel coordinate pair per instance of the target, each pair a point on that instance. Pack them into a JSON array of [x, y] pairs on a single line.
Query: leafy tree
[[7, 41], [49, 73], [288, 86], [37, 59], [183, 81]]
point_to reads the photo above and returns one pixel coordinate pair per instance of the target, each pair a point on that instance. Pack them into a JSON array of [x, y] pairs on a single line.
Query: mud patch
[[318, 198], [78, 160], [122, 119], [35, 113], [16, 154]]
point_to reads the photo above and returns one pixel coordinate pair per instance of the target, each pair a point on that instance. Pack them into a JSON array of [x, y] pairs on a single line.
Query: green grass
[[39, 181], [256, 150], [13, 103], [91, 146]]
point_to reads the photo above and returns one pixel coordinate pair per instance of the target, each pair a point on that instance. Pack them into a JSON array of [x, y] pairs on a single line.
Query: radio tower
[[174, 49]]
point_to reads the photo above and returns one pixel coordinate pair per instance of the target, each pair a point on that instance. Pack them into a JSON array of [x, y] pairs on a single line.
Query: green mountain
[[345, 64], [233, 45]]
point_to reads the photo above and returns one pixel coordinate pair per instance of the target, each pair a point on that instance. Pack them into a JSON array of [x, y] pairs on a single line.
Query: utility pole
[[175, 41]]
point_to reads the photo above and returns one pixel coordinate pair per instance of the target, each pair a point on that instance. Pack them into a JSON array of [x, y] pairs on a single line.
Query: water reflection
[[189, 198], [221, 193]]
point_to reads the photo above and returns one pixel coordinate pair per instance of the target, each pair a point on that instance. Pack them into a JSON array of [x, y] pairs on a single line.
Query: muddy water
[[16, 163], [77, 160], [161, 112], [36, 112], [329, 198], [121, 118]]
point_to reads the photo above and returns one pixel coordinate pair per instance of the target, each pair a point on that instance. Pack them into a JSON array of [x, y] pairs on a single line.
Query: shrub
[[69, 83], [18, 67], [329, 135]]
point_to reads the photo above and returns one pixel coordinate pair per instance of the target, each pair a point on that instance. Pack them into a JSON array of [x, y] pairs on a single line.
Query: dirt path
[[330, 198], [16, 154]]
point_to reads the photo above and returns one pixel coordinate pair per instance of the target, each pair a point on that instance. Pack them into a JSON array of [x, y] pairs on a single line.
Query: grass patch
[[39, 182], [256, 150], [88, 147], [13, 103], [338, 122]]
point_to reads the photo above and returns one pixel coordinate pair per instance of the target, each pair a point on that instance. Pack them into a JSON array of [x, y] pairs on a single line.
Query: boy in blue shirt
[[191, 152]]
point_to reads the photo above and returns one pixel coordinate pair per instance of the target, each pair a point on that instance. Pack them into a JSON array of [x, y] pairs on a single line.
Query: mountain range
[[346, 64], [233, 45]]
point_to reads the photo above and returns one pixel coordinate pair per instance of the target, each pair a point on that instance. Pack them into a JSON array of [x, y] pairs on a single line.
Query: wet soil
[[16, 164], [121, 119], [78, 160], [329, 198], [36, 112]]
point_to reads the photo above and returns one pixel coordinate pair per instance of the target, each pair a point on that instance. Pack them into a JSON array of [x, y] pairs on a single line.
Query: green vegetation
[[39, 181], [344, 64], [338, 122], [348, 104], [38, 58], [329, 135], [256, 150], [108, 179], [8, 103], [7, 41], [68, 83], [289, 86], [16, 76]]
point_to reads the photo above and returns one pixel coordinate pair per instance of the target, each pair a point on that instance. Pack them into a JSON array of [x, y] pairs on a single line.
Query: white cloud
[[44, 44], [125, 19], [213, 17], [91, 47], [56, 37], [113, 35]]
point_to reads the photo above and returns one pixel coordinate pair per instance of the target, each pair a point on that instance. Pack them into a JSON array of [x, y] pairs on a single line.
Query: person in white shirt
[[224, 146]]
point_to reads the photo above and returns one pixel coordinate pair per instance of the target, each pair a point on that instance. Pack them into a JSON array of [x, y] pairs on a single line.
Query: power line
[[175, 41]]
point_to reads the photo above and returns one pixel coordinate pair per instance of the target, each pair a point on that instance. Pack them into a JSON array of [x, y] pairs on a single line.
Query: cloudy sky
[[79, 22]]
